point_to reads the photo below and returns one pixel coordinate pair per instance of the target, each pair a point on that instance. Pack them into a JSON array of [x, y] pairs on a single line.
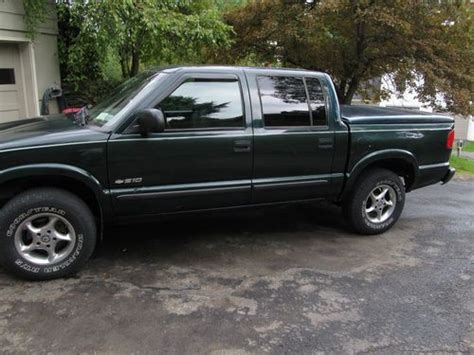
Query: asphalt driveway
[[277, 280]]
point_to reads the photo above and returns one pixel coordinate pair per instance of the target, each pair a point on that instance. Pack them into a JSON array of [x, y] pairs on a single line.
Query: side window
[[284, 101], [200, 104], [316, 101]]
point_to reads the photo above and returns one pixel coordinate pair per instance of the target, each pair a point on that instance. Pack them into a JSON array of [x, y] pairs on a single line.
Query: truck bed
[[366, 114], [418, 136]]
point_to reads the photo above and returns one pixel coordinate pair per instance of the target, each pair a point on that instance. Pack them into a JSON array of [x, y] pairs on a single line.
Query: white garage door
[[12, 103]]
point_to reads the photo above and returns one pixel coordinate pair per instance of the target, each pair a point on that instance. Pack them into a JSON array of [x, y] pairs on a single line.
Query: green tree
[[153, 31], [426, 46], [104, 42]]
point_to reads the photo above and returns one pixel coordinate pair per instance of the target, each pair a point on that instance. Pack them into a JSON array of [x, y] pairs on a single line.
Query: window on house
[[7, 76]]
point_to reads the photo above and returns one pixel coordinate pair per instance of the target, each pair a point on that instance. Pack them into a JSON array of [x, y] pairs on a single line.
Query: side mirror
[[150, 120]]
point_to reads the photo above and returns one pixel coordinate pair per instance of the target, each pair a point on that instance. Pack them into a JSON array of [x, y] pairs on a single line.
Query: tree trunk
[[351, 90], [340, 90], [135, 63], [124, 68], [124, 64]]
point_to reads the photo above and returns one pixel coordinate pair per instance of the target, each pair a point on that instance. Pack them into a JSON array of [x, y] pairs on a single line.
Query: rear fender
[[376, 158]]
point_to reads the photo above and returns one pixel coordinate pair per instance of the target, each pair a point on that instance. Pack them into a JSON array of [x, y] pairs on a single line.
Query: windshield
[[106, 110]]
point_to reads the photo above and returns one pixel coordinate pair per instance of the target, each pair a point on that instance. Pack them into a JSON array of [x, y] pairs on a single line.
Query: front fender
[[55, 170], [73, 172]]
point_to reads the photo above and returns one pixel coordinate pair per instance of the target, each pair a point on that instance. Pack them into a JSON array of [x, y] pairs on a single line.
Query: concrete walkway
[[469, 155]]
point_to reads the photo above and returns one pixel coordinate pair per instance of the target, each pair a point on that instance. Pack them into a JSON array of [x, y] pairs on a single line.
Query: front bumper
[[449, 175]]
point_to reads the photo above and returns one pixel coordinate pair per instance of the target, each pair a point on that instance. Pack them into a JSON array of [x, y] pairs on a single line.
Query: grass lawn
[[468, 146], [462, 164]]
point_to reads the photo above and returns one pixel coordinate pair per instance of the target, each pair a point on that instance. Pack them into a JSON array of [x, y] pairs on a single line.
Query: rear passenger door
[[293, 138]]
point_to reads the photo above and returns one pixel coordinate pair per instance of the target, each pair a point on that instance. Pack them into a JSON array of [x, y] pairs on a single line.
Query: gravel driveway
[[277, 280]]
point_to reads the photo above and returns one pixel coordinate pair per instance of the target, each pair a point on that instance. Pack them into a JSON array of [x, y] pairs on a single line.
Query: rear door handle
[[325, 143], [242, 146]]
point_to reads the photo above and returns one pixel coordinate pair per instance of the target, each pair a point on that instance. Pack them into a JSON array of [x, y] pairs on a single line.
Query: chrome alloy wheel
[[45, 238], [380, 203]]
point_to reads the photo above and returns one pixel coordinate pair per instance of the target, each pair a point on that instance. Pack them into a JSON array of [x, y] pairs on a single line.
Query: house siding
[[43, 70]]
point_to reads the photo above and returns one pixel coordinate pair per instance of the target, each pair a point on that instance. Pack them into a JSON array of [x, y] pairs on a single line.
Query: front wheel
[[376, 202], [45, 233]]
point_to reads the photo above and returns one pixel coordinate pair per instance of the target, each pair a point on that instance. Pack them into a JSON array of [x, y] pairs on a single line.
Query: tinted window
[[105, 111], [283, 101], [204, 104], [316, 101], [7, 76]]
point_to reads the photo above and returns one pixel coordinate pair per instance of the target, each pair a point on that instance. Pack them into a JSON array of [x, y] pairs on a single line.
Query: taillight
[[450, 140]]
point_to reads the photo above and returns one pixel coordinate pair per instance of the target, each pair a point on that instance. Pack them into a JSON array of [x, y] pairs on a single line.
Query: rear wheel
[[46, 233], [376, 202]]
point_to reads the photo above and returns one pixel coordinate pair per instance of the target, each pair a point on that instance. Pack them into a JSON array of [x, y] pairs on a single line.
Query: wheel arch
[[401, 162], [70, 178]]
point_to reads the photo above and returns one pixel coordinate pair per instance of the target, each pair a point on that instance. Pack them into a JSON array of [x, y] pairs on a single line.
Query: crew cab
[[193, 138]]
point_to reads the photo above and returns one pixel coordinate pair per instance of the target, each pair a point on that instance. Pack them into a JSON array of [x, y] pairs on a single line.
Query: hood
[[366, 114], [44, 130]]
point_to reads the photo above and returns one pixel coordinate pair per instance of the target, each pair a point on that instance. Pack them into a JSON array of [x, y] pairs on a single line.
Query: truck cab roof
[[230, 69]]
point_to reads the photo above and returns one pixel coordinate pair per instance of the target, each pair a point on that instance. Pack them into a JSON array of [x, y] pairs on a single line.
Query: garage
[[12, 100], [29, 64]]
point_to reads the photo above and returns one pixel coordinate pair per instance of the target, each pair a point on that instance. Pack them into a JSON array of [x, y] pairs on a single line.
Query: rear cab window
[[289, 101], [317, 101]]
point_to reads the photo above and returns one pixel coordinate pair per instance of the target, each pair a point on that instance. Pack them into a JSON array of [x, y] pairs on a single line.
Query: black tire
[[49, 205], [354, 207]]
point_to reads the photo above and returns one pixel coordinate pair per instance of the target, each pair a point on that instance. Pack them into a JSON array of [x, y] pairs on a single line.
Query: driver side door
[[203, 159]]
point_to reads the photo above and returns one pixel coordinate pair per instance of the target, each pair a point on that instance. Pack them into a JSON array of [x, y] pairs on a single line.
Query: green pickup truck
[[184, 139]]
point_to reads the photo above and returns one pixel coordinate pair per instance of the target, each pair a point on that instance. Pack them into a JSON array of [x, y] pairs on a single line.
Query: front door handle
[[325, 143], [242, 146]]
